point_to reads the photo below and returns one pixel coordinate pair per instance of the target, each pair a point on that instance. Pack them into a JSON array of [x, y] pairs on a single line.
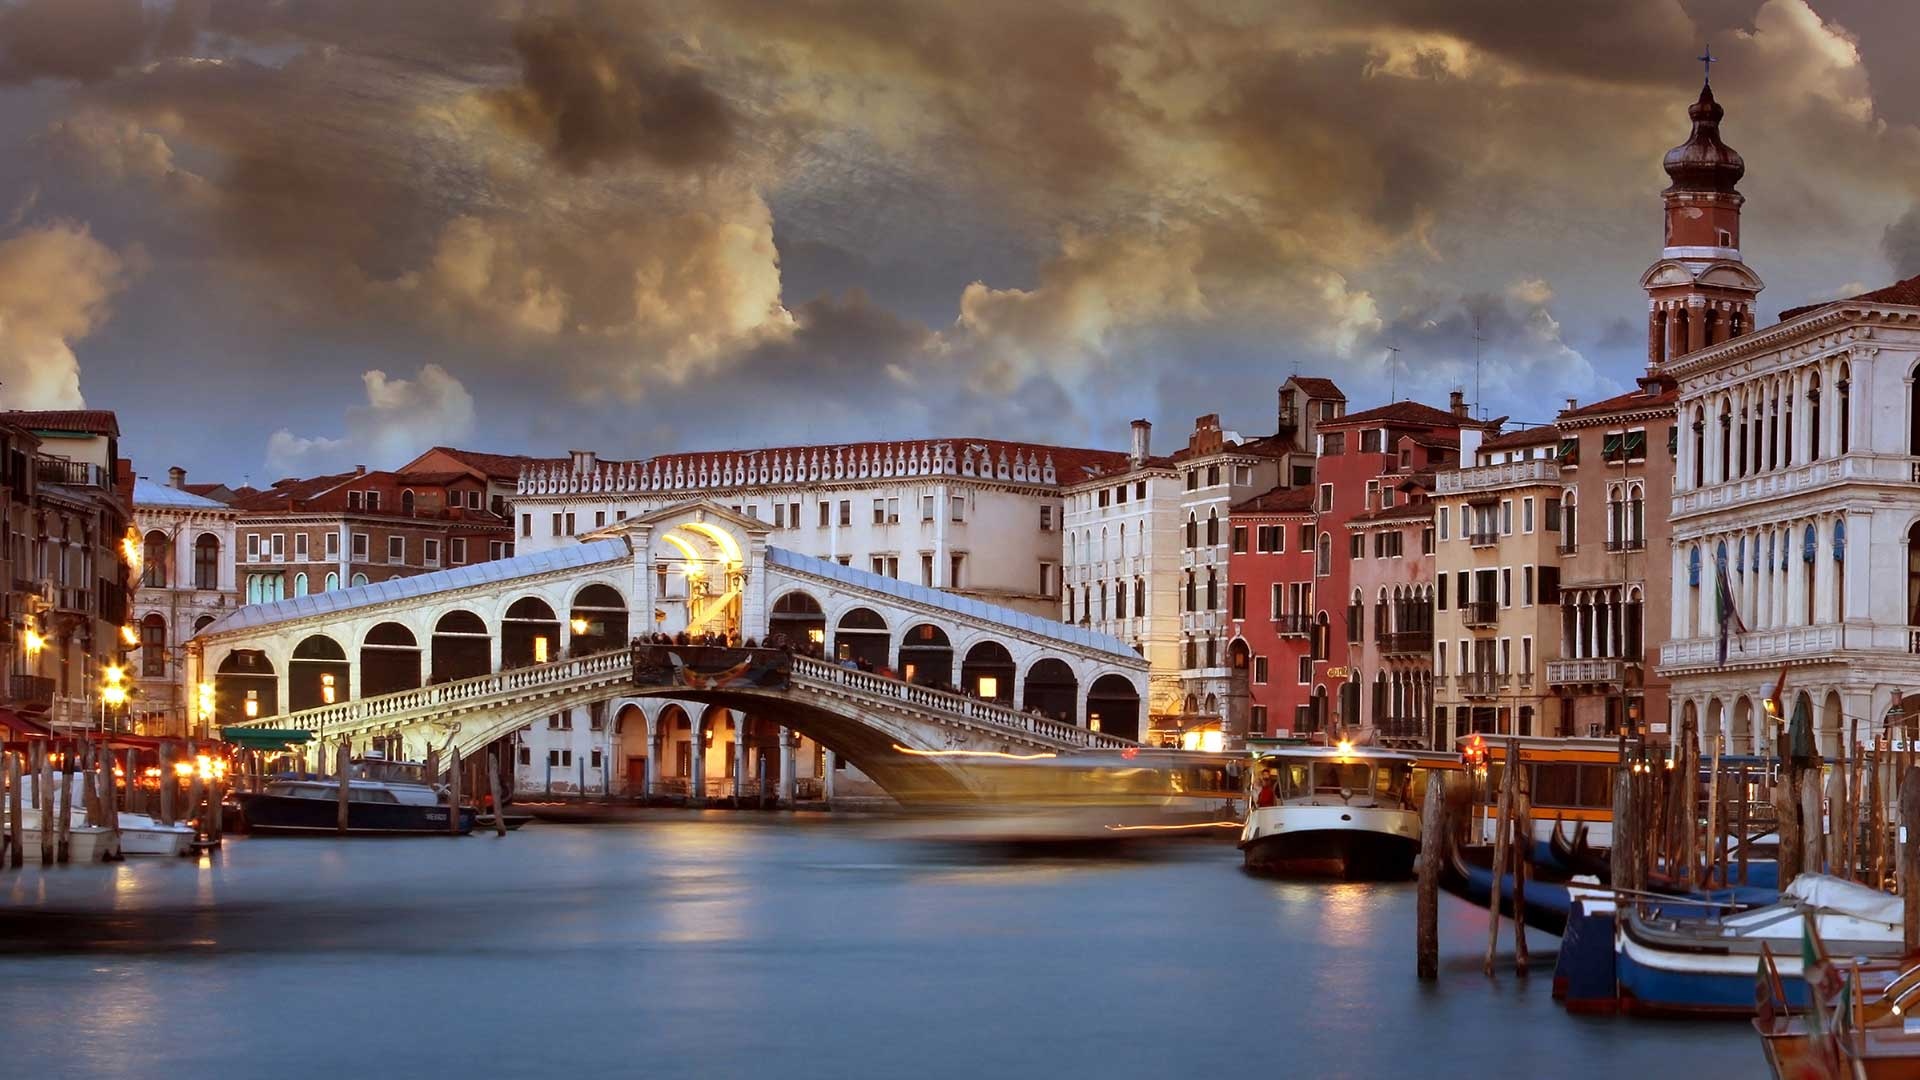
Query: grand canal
[[727, 946]]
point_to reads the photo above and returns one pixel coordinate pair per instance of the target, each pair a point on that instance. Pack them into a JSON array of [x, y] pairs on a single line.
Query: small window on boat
[[1556, 784], [1336, 777], [1596, 785]]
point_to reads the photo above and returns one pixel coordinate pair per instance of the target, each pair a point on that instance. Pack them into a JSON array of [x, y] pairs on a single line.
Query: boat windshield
[[300, 791]]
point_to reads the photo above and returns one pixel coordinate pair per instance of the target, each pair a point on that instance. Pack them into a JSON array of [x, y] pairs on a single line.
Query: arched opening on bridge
[[862, 637], [1113, 707], [797, 618], [1741, 732], [926, 656], [630, 750], [318, 674], [598, 620], [462, 648], [720, 729], [987, 672], [1051, 690], [245, 687], [676, 746], [529, 633], [389, 660]]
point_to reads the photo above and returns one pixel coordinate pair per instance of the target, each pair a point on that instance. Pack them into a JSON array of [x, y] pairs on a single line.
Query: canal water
[[723, 945]]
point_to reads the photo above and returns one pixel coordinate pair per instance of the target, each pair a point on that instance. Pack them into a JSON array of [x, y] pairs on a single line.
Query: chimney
[[359, 470], [582, 460], [1142, 436], [177, 478], [1457, 402], [1572, 404]]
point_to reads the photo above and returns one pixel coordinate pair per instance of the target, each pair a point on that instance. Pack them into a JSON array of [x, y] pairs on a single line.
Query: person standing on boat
[[1268, 794]]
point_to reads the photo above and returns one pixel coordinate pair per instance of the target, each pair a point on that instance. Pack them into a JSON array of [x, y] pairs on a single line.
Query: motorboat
[[374, 808], [1673, 962], [1341, 811], [140, 834]]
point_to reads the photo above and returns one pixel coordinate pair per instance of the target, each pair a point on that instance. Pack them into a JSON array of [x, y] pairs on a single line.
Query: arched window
[[154, 556], [1192, 596], [1139, 596], [1726, 440], [1213, 528], [300, 583], [333, 581], [406, 502], [1636, 515], [1699, 447], [1193, 530], [1213, 592], [359, 579], [1569, 525], [206, 562], [1844, 384], [153, 647], [1813, 417]]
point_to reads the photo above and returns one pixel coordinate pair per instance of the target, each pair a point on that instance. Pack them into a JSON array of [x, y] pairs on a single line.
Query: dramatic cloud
[[54, 286], [400, 418]]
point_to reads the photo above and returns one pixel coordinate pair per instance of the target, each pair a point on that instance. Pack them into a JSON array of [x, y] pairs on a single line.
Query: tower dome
[[1703, 162]]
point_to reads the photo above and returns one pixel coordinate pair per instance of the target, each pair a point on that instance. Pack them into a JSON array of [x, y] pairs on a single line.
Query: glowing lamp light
[[540, 650], [817, 636], [326, 689], [1345, 746], [130, 635], [113, 695], [130, 550], [182, 769], [204, 766], [206, 699], [252, 706], [579, 626], [989, 686], [35, 643], [1212, 742]]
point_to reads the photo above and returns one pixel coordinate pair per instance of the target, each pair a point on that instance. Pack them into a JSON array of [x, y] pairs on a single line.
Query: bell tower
[[1700, 292]]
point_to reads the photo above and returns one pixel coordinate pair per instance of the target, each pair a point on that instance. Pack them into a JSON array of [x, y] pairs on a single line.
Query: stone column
[[1696, 323], [1826, 601], [789, 742], [1796, 579], [826, 782], [1656, 334], [697, 777], [1681, 626], [741, 726], [650, 782]]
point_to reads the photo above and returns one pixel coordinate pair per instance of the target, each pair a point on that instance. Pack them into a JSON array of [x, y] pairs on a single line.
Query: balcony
[[1511, 474], [1627, 543], [1483, 539], [1405, 642], [1480, 613], [30, 693], [54, 470], [77, 601], [1593, 671], [1293, 625], [1480, 683], [1401, 728], [1567, 548]]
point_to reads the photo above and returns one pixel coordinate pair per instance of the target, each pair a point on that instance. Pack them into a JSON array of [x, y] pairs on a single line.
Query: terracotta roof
[[1406, 511], [284, 493], [495, 466], [1630, 401], [91, 421], [428, 478], [1905, 293], [1280, 500], [1318, 387], [207, 491], [1538, 435], [1403, 412]]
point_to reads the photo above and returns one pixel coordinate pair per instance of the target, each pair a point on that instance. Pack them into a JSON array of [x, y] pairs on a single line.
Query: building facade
[[1616, 460], [1392, 603], [1120, 564], [1496, 587], [186, 581], [1270, 608]]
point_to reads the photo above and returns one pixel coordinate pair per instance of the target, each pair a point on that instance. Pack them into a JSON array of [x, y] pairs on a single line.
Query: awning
[[266, 738], [16, 726]]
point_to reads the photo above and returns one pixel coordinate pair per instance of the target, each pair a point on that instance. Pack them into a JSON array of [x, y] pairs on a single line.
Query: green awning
[[265, 738]]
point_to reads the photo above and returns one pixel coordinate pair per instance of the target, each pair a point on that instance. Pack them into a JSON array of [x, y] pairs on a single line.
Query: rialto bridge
[[890, 676]]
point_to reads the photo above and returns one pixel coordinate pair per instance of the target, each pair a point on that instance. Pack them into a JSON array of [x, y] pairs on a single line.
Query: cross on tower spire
[[1707, 59]]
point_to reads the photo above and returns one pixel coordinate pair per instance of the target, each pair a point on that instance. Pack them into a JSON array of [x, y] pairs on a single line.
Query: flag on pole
[[1726, 612]]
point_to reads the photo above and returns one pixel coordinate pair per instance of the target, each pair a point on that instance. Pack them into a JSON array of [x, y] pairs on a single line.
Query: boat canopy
[[266, 738], [1826, 893]]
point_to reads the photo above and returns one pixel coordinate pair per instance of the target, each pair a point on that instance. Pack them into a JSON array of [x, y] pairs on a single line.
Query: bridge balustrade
[[985, 712]]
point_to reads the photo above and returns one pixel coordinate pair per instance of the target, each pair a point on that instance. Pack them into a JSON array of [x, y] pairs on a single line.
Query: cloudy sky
[[284, 236]]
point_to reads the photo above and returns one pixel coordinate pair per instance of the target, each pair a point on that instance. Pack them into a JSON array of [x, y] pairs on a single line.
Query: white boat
[[85, 843], [140, 834], [144, 835], [1343, 811]]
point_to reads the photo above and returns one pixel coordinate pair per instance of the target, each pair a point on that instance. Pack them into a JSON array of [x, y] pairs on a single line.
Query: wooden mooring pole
[[500, 812], [1433, 840], [453, 792], [14, 809], [1503, 827], [343, 761], [1521, 849]]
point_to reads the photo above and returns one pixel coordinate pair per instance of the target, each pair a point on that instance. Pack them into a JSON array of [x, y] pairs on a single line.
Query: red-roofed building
[[500, 472], [1394, 579], [1270, 607]]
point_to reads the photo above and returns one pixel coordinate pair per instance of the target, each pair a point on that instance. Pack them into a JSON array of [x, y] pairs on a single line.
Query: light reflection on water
[[729, 946]]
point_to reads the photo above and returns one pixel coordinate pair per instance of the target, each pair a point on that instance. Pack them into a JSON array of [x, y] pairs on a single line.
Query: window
[[1506, 586], [1326, 498], [793, 514], [1258, 714], [594, 759], [1440, 592], [1333, 444], [958, 509], [253, 547], [1193, 481], [333, 582], [526, 524], [1445, 518], [457, 550], [1239, 601], [153, 647], [1506, 517], [373, 500], [926, 510], [1239, 539], [1242, 475], [526, 755], [1426, 540], [954, 581], [353, 500], [300, 584], [1046, 576], [1213, 479], [570, 529], [206, 562], [1526, 586], [1259, 666], [926, 568], [430, 552], [1356, 546], [279, 547], [559, 521], [300, 547], [1306, 670], [360, 547], [498, 549], [825, 514], [846, 513], [1526, 514], [396, 549], [599, 519]]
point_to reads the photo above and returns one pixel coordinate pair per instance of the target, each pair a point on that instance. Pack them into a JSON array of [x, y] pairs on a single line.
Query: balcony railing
[[1479, 612], [1589, 671], [1568, 548], [1483, 539], [1627, 543], [1400, 727], [1293, 625], [53, 470], [78, 601], [1405, 641], [1481, 683], [30, 693], [1510, 474]]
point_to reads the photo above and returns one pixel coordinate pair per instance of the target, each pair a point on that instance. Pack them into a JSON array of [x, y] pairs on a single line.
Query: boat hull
[[281, 815], [1355, 843], [85, 843]]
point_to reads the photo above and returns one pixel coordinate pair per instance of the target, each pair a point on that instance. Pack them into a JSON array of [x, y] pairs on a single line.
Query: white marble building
[[186, 582]]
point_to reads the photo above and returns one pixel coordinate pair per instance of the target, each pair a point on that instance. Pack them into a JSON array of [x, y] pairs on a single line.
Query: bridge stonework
[[472, 654]]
